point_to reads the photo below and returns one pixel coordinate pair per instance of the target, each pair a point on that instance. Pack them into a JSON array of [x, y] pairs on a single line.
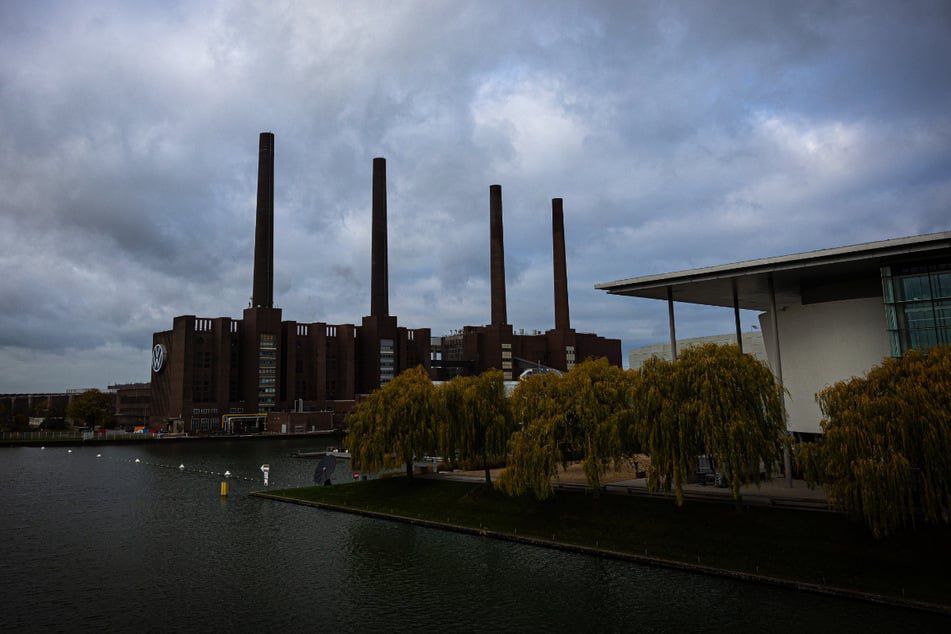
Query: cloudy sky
[[680, 134]]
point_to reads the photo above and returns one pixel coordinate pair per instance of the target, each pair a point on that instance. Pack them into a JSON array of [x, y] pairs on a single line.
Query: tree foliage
[[886, 448], [575, 415], [92, 408], [476, 420], [395, 424], [536, 449], [713, 400]]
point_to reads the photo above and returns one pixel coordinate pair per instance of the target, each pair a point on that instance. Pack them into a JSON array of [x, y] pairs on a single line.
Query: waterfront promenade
[[773, 492]]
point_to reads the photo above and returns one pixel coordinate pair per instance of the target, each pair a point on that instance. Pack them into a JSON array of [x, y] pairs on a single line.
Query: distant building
[[826, 315], [752, 344], [39, 410], [133, 402]]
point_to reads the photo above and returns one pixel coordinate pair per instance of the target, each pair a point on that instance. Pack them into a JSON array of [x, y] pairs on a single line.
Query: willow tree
[[574, 415], [595, 398], [885, 451], [476, 418], [395, 424], [713, 400], [535, 451]]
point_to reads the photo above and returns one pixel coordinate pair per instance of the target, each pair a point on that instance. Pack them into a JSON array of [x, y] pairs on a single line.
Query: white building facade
[[826, 315]]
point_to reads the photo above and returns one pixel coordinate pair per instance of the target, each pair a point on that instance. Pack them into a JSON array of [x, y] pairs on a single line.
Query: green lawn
[[802, 546]]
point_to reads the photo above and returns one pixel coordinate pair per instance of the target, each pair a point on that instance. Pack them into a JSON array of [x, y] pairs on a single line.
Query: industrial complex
[[824, 316], [262, 372]]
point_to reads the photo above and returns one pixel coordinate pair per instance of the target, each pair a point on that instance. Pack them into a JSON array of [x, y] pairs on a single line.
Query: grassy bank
[[801, 546]]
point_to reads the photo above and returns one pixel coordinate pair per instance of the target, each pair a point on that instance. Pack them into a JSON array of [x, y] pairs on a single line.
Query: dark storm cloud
[[679, 134]]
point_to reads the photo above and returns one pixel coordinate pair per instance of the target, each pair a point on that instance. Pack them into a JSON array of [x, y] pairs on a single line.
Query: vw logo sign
[[158, 357]]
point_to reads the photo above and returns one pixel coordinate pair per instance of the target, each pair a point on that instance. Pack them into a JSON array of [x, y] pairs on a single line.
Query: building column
[[774, 318], [673, 325], [736, 317]]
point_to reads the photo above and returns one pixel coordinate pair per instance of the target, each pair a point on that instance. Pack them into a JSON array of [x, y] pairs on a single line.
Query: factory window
[[202, 359], [387, 361], [267, 370], [917, 306], [201, 392]]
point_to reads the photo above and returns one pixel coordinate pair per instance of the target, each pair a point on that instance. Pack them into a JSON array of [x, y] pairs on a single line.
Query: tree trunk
[[485, 465]]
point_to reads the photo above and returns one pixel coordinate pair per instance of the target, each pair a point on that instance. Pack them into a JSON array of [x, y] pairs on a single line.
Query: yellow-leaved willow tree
[[571, 416], [475, 418], [395, 424], [714, 401], [885, 451]]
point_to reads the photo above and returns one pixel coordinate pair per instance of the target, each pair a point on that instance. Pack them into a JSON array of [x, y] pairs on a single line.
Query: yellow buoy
[[224, 488]]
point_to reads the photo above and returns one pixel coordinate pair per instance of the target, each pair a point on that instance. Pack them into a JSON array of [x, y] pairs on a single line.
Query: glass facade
[[387, 362], [267, 371], [917, 305]]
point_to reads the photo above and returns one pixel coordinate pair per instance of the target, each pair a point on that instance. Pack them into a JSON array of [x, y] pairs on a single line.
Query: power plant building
[[476, 349], [262, 372]]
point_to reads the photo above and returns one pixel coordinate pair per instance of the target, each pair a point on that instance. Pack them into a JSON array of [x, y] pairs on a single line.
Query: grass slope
[[803, 546]]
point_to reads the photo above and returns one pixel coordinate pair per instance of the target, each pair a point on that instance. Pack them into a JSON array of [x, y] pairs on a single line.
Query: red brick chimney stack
[[379, 275], [263, 291], [497, 271], [561, 268]]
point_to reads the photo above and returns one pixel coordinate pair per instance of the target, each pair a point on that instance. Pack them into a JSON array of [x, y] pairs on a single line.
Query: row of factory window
[[206, 424]]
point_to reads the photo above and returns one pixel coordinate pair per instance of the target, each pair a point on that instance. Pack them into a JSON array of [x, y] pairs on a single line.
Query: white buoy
[[181, 466], [69, 451], [227, 474], [99, 455], [42, 447], [136, 459]]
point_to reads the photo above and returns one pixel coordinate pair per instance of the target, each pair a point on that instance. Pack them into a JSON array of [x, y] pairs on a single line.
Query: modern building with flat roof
[[826, 315]]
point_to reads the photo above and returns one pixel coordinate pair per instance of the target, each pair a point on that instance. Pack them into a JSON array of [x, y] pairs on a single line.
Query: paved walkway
[[769, 493]]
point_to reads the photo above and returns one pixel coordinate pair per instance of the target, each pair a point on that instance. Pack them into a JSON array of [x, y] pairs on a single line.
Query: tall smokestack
[[263, 292], [497, 272], [379, 292], [561, 268]]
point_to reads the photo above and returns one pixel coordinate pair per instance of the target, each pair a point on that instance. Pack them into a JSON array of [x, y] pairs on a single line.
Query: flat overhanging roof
[[850, 271]]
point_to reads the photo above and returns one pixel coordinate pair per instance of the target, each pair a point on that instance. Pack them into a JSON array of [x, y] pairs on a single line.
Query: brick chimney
[[379, 275], [497, 272], [561, 268]]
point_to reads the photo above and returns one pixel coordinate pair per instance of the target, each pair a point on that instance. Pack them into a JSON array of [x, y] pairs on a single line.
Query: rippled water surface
[[110, 544]]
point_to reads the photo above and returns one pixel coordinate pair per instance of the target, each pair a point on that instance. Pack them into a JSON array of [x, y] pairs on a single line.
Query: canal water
[[138, 538]]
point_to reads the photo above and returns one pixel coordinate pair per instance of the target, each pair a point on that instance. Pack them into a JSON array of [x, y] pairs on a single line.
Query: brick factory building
[[223, 374], [475, 349], [263, 373]]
